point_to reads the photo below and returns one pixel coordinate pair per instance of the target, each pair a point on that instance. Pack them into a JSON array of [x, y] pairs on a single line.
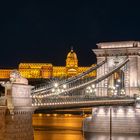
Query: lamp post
[[90, 91]]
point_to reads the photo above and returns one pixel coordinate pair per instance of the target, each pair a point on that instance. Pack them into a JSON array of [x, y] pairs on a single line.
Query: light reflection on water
[[77, 135], [50, 127], [103, 136], [69, 128], [58, 135], [54, 127]]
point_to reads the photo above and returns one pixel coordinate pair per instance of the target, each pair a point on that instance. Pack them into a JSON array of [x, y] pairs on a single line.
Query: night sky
[[44, 31]]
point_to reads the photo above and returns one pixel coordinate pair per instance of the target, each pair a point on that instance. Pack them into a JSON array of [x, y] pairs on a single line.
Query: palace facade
[[47, 70]]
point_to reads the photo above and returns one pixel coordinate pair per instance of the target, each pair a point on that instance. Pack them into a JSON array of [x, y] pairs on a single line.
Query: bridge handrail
[[95, 81], [72, 79], [75, 78], [84, 103]]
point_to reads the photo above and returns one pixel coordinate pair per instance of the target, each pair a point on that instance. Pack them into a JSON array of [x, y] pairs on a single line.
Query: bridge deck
[[63, 105]]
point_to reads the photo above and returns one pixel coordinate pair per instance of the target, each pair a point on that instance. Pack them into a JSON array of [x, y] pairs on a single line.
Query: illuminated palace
[[47, 70]]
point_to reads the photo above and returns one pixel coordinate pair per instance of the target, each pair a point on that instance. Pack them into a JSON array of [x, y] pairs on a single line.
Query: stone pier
[[125, 81], [17, 126], [16, 110], [124, 119]]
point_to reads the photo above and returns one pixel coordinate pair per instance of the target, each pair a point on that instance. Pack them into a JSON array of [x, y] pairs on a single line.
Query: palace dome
[[72, 60], [72, 55]]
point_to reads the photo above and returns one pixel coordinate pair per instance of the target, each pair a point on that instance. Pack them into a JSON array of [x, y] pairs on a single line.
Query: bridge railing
[[69, 80], [75, 92], [83, 83], [75, 101]]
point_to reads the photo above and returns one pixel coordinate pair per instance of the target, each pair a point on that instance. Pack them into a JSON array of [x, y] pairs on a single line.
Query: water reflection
[[58, 135], [16, 127], [57, 127], [78, 135], [105, 136], [50, 127], [68, 127]]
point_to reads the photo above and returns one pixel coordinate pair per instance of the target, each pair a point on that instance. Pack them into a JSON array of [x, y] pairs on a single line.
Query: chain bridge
[[117, 83], [115, 89], [79, 91]]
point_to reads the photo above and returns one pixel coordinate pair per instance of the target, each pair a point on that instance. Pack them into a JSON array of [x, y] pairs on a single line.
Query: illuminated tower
[[71, 63]]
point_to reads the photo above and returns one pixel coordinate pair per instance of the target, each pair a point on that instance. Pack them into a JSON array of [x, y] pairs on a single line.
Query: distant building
[[47, 70]]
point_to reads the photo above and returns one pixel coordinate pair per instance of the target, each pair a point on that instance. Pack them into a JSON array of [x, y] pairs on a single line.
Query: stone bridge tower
[[125, 81], [16, 110]]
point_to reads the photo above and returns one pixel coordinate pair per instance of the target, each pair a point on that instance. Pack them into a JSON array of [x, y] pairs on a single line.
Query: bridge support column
[[125, 119], [2, 122], [17, 126], [102, 86], [16, 118], [18, 95]]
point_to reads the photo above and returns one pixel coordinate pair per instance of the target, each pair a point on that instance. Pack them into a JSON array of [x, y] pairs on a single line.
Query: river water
[[68, 127], [51, 127], [57, 127]]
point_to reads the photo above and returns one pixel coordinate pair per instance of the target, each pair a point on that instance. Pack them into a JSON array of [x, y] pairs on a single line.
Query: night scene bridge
[[78, 91], [116, 86]]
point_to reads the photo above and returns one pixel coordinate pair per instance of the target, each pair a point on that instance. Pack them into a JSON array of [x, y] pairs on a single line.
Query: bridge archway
[[117, 52], [116, 84]]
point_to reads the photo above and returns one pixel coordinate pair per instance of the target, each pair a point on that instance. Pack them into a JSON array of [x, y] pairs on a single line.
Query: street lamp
[[93, 86], [91, 90], [53, 90], [64, 86], [119, 80], [122, 92], [55, 85]]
